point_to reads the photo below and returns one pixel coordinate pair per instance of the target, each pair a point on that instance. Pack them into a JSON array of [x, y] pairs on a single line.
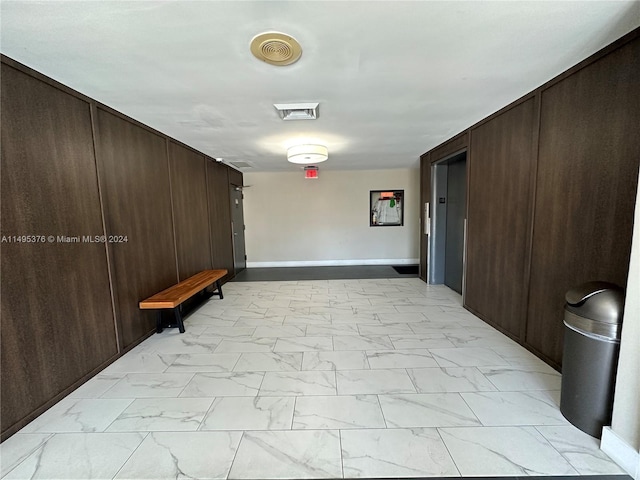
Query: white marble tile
[[357, 382], [452, 379], [478, 337], [400, 359], [18, 447], [517, 355], [210, 321], [502, 451], [515, 408], [139, 385], [239, 384], [161, 414], [376, 453], [303, 344], [288, 454], [177, 343], [339, 412], [228, 332], [280, 331], [330, 330], [250, 413], [385, 329], [78, 415], [298, 383], [141, 363], [182, 455], [97, 386], [240, 311], [410, 317], [581, 450], [284, 311], [426, 410], [259, 321], [431, 340], [527, 377], [467, 357], [204, 362], [269, 362], [364, 310], [345, 360], [246, 344], [358, 342], [314, 319], [78, 456]]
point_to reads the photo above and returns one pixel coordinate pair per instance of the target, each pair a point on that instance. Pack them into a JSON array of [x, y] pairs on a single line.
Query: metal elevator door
[[237, 227], [456, 214]]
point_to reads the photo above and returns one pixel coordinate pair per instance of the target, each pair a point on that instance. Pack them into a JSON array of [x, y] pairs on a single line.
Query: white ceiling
[[393, 78]]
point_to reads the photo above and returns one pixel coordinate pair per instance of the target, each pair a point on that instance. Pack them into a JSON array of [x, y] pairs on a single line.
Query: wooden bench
[[174, 296]]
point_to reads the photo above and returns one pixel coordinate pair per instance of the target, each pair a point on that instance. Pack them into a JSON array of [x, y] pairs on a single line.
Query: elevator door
[[456, 214]]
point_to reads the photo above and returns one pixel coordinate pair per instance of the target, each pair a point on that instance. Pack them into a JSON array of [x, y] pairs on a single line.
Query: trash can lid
[[600, 301]]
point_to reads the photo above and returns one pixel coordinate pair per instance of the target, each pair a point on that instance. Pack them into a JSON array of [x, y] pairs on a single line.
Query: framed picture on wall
[[386, 208]]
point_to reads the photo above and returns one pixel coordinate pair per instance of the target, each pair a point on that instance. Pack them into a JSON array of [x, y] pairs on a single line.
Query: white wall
[[622, 441], [292, 221]]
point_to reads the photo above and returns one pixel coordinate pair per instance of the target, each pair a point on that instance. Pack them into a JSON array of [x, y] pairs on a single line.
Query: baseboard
[[335, 263], [620, 452]]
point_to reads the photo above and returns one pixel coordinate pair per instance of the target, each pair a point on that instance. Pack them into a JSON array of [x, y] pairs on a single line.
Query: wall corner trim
[[620, 452]]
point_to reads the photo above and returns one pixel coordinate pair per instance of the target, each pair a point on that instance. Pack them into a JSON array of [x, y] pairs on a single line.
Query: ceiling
[[393, 78]]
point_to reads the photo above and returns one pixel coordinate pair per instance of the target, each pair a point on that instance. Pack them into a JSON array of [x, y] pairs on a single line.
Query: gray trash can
[[593, 322]]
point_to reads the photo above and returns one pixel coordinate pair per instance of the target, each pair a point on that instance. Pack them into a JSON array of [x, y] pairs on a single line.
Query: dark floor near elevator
[[321, 273]]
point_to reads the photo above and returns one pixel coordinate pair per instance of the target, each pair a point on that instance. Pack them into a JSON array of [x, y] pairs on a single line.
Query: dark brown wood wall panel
[[425, 192], [498, 222], [457, 143], [134, 174], [220, 216], [57, 319], [235, 177], [586, 185], [190, 211]]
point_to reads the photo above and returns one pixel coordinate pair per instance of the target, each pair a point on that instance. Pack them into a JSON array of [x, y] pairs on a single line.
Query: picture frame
[[386, 208]]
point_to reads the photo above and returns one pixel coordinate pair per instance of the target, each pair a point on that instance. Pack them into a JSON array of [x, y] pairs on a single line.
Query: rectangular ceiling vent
[[241, 164], [297, 111]]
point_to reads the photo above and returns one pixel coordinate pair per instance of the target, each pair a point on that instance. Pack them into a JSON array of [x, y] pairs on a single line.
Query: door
[[237, 228], [456, 214]]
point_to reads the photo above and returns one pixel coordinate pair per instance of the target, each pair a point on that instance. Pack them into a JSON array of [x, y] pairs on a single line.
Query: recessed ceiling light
[[276, 48]]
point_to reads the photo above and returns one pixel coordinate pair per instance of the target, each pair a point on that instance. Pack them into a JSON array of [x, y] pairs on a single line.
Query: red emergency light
[[310, 172]]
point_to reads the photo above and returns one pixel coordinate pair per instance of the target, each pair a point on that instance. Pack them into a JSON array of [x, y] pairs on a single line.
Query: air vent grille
[[241, 164], [297, 111], [276, 48]]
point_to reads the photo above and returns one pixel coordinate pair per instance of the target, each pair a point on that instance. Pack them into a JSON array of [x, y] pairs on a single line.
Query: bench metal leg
[[219, 288], [159, 321], [178, 315]]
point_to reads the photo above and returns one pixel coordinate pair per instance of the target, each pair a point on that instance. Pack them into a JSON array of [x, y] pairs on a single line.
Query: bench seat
[[173, 297]]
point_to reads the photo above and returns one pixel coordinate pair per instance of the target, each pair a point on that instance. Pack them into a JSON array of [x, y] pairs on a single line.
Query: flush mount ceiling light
[[307, 154], [276, 48]]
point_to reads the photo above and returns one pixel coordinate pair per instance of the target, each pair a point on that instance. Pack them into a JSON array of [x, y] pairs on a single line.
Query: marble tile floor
[[368, 378]]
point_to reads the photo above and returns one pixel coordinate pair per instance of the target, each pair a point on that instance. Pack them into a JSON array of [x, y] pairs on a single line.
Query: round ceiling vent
[[276, 48]]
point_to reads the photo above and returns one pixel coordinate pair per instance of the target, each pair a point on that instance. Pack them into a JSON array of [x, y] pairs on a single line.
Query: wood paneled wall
[[75, 168], [134, 174], [586, 188], [189, 193], [552, 184], [425, 193], [500, 167], [57, 320], [219, 216]]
